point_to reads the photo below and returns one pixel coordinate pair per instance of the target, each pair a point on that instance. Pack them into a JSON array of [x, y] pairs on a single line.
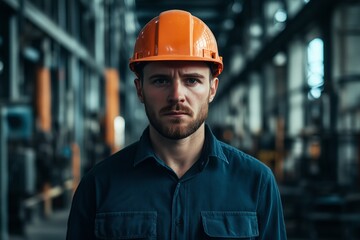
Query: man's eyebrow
[[159, 75], [186, 75], [193, 75]]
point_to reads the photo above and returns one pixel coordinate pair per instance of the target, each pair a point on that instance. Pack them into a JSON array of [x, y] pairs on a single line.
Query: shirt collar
[[212, 147], [144, 148]]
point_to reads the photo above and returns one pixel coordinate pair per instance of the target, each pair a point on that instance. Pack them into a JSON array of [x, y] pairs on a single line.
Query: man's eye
[[160, 81], [192, 81]]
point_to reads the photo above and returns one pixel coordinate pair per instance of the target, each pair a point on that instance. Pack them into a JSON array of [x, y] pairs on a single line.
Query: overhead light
[[255, 29], [237, 61], [31, 53], [129, 3], [315, 67], [130, 27], [314, 93], [119, 128], [228, 24], [280, 16], [280, 59], [237, 7]]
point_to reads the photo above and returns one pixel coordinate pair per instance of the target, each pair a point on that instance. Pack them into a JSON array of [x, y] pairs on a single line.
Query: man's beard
[[174, 128]]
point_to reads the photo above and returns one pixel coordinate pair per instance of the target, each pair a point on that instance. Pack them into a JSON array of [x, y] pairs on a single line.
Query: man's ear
[[213, 88], [139, 91]]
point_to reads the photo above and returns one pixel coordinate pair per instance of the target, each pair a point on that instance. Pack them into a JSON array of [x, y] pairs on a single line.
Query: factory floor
[[53, 227]]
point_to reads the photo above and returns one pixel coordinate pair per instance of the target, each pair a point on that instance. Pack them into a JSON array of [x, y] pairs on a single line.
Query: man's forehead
[[183, 66]]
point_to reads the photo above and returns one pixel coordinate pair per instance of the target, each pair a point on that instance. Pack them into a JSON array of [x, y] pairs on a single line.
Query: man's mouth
[[175, 113]]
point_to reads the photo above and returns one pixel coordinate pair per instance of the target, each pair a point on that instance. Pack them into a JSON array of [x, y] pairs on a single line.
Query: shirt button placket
[[177, 226]]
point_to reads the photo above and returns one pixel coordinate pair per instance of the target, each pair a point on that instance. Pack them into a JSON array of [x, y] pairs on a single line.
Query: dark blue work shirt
[[134, 195]]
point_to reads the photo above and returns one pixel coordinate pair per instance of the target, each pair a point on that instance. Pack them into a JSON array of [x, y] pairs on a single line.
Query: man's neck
[[180, 154]]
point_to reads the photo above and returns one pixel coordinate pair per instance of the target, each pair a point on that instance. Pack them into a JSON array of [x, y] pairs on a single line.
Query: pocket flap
[[125, 225], [230, 224]]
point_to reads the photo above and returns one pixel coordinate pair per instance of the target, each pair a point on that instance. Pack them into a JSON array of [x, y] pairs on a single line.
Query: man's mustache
[[177, 108]]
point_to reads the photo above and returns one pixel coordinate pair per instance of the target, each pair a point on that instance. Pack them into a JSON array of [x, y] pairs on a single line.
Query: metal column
[[3, 176]]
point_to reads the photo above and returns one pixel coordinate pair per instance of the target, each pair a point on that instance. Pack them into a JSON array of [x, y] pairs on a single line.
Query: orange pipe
[[112, 109], [76, 165], [43, 99]]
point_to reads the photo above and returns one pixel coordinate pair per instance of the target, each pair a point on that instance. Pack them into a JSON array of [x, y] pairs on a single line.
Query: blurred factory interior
[[289, 95]]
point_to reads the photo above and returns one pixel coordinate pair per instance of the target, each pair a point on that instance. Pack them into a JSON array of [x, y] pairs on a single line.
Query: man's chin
[[174, 131]]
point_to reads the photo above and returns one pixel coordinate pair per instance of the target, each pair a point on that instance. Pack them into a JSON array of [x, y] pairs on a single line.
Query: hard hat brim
[[216, 71]]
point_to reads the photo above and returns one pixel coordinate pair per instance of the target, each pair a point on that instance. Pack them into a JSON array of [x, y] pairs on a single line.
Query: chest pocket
[[234, 225], [126, 225]]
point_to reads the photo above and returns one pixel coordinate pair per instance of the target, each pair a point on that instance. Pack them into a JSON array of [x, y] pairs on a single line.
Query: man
[[178, 181]]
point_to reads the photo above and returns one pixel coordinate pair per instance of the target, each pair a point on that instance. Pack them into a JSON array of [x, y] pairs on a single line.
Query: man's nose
[[176, 92]]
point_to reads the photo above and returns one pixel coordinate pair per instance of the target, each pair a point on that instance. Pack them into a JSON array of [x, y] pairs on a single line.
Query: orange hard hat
[[176, 35]]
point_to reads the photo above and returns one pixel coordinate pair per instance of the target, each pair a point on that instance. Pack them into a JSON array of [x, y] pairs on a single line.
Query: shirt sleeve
[[81, 220], [270, 212]]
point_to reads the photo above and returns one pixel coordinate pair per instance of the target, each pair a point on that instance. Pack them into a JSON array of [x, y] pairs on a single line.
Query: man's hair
[[139, 70]]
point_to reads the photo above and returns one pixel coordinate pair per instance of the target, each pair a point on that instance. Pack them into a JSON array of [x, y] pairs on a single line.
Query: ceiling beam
[[312, 11], [57, 34]]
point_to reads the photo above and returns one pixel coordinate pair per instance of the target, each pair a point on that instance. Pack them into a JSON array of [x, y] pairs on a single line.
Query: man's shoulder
[[122, 159], [241, 160]]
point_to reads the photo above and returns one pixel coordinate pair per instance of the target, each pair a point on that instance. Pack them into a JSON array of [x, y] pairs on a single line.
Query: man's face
[[176, 96]]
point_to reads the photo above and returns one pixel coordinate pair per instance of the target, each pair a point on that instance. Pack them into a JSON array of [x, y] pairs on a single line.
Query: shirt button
[[179, 222]]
